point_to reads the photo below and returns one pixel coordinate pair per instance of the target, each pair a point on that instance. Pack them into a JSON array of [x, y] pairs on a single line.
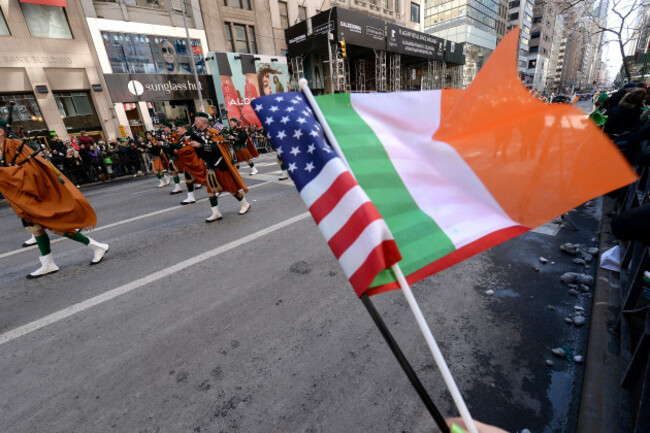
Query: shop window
[[4, 30], [46, 21], [77, 111], [22, 112], [284, 14], [415, 12]]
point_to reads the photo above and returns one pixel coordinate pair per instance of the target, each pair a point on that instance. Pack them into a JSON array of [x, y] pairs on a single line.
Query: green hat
[[182, 123], [202, 114]]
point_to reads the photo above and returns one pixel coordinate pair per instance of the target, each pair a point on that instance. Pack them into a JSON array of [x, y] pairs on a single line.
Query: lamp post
[[189, 47]]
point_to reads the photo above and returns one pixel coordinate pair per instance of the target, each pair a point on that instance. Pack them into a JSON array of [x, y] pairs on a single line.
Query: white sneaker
[[284, 175], [177, 189], [168, 179], [216, 215], [245, 206], [29, 242], [254, 171], [99, 249], [47, 267], [198, 186], [190, 199], [162, 183]]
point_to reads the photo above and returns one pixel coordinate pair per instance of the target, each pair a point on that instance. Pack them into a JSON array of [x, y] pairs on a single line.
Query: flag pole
[[406, 289], [403, 362]]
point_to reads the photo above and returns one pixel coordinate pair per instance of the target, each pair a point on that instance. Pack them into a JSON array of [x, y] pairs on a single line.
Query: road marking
[[119, 223], [129, 287]]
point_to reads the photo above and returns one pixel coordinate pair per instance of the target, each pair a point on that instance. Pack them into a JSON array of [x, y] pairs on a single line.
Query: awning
[[59, 3]]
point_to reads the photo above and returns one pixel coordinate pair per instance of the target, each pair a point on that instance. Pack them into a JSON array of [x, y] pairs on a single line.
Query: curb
[[599, 403]]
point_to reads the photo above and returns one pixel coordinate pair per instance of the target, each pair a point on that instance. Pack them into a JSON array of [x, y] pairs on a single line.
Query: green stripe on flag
[[419, 238]]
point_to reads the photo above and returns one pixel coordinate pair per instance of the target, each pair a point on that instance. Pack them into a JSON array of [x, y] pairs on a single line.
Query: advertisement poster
[[240, 78], [131, 53]]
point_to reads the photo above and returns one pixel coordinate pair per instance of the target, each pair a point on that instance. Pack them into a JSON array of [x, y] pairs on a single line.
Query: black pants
[[633, 225]]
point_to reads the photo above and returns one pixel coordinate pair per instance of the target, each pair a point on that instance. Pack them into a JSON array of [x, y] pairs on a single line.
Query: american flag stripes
[[349, 221]]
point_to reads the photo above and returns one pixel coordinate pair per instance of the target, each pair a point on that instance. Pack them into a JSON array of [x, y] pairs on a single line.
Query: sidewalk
[[599, 405]]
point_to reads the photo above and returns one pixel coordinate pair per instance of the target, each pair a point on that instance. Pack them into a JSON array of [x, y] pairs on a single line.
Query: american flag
[[349, 221]]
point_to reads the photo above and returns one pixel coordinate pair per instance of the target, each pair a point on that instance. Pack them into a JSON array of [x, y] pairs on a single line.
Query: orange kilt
[[159, 165], [247, 153], [192, 164], [36, 194]]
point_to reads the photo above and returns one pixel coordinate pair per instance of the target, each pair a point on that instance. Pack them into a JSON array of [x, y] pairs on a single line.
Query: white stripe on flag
[[336, 219], [373, 235], [438, 178], [321, 183]]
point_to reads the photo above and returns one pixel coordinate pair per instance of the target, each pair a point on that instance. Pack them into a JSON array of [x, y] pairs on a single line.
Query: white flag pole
[[406, 289]]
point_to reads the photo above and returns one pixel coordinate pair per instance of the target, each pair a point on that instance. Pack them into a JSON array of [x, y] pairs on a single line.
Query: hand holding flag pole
[[415, 308]]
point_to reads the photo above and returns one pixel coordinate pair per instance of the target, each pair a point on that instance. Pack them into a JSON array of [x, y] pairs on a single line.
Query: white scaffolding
[[380, 71], [360, 76], [395, 72]]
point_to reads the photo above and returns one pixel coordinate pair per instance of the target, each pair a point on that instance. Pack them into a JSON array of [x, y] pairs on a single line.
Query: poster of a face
[[135, 53], [244, 77]]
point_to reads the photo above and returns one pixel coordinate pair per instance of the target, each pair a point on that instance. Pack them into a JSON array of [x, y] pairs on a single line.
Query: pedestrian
[[44, 199], [212, 148], [627, 114]]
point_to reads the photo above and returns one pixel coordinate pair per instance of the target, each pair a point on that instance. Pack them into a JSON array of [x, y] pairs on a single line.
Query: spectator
[[627, 114]]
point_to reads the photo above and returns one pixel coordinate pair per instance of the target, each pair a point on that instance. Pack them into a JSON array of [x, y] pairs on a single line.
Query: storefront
[[149, 73]]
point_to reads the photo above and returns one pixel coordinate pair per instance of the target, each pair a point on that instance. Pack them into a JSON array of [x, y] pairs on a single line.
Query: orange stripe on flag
[[537, 160]]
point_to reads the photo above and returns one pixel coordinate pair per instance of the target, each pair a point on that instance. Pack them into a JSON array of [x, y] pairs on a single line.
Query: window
[[302, 13], [4, 30], [46, 21], [537, 20], [514, 16], [25, 112], [532, 64], [415, 13], [154, 4], [514, 4], [534, 35], [76, 110], [241, 38], [284, 14], [533, 49], [239, 4]]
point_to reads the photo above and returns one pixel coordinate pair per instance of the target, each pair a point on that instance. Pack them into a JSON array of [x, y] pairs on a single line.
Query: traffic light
[[342, 45]]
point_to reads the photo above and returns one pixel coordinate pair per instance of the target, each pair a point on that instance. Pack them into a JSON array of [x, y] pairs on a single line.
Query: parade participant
[[187, 158], [222, 175], [242, 145], [168, 137], [44, 199], [159, 158]]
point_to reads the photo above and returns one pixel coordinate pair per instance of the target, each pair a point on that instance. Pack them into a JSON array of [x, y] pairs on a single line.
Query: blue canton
[[295, 134]]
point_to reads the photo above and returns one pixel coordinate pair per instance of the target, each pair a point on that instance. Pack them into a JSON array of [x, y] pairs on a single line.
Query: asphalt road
[[249, 325]]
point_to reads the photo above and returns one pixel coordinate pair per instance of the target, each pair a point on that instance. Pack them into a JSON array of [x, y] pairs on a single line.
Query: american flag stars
[[297, 137]]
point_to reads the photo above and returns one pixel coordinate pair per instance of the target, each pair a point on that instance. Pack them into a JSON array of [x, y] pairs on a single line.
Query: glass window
[[302, 13], [241, 41], [415, 13], [252, 39], [231, 46], [284, 14], [514, 16], [235, 4], [46, 21], [4, 30], [76, 110], [25, 116], [155, 4]]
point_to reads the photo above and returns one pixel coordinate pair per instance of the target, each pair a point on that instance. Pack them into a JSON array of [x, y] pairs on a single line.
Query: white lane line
[[119, 223], [129, 287]]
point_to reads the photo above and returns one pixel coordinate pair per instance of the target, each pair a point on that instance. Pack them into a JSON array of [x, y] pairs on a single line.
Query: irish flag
[[455, 172]]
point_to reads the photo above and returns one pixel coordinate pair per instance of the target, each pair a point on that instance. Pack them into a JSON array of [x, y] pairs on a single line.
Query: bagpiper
[[243, 146], [167, 138], [44, 199], [160, 161], [186, 157], [222, 175]]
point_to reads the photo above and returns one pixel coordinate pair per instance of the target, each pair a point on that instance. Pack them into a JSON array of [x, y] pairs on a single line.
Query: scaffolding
[[297, 69], [360, 76], [380, 71], [348, 82], [453, 76], [395, 73], [339, 74]]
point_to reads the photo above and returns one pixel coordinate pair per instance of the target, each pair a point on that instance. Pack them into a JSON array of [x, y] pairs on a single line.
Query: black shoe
[[175, 192]]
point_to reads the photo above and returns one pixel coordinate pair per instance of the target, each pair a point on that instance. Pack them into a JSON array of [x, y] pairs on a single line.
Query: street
[[249, 325]]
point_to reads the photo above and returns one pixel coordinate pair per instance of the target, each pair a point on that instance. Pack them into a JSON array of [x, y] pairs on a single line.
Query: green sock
[[159, 175], [239, 196], [177, 179], [251, 164], [282, 167], [190, 187], [77, 236], [213, 201], [43, 243]]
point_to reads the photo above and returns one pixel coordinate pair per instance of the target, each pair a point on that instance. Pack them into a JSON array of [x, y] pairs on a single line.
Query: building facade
[[520, 13], [472, 22], [51, 82], [541, 62]]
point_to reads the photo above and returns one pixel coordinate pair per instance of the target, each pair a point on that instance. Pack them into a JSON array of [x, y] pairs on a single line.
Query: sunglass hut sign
[[149, 87]]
